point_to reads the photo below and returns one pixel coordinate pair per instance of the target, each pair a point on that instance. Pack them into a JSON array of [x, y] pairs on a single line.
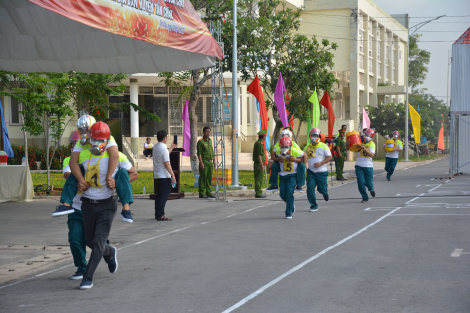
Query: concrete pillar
[[354, 70], [134, 95]]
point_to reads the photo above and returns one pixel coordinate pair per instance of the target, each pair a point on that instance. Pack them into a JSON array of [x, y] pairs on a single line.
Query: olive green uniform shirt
[[341, 144], [258, 149], [205, 150]]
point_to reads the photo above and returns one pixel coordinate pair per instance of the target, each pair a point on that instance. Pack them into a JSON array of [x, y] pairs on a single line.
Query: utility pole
[[234, 100], [418, 26]]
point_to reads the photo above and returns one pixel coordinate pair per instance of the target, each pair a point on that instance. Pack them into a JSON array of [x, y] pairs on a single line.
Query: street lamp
[[418, 26]]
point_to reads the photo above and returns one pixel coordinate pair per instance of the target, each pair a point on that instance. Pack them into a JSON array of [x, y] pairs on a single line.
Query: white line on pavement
[[403, 214]]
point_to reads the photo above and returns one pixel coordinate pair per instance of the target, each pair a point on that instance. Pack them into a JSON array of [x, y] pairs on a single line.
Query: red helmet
[[285, 141], [315, 135], [74, 137], [369, 134], [396, 134], [100, 131]]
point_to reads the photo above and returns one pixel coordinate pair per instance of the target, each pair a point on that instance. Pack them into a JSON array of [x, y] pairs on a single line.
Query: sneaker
[[260, 196], [313, 209], [326, 197], [86, 284], [203, 197], [388, 178], [299, 189], [212, 197], [127, 216], [289, 216], [77, 275], [364, 201], [293, 210], [112, 263], [272, 188], [62, 210], [372, 193]]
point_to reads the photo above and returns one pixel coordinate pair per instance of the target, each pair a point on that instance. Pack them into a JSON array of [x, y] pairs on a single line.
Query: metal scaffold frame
[[217, 112], [459, 143]]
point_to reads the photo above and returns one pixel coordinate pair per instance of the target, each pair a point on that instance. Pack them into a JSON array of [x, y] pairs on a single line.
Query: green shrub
[[36, 154]]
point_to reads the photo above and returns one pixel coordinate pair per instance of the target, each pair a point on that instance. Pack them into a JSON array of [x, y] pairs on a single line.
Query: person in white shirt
[[318, 155], [364, 165], [148, 148], [391, 158], [98, 204], [289, 158], [163, 176]]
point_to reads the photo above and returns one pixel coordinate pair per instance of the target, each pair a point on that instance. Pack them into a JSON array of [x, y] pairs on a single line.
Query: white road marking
[[380, 209], [293, 270], [400, 214], [456, 253]]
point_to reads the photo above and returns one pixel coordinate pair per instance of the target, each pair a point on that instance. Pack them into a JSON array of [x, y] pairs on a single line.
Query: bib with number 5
[[92, 175], [287, 166]]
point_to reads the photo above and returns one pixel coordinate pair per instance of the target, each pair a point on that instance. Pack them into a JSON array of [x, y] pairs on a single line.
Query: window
[[370, 64], [361, 61], [379, 71], [146, 90], [370, 26], [160, 90], [386, 71], [361, 78], [15, 115], [208, 109], [248, 111], [378, 52], [361, 41], [200, 110], [360, 21]]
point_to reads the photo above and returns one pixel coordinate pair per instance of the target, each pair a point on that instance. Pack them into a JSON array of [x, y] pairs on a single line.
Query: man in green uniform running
[[391, 158], [259, 158], [205, 154], [340, 151]]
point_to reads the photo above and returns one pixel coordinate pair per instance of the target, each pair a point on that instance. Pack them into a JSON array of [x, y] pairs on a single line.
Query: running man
[[391, 158], [290, 158], [276, 166], [365, 167], [98, 204], [124, 189], [318, 155]]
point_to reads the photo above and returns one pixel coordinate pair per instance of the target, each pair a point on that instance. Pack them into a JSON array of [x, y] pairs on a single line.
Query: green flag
[[309, 125], [315, 110]]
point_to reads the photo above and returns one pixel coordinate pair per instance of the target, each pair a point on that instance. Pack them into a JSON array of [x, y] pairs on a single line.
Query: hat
[[262, 132], [342, 130]]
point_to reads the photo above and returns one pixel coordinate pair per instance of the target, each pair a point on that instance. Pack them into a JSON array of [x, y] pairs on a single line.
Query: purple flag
[[279, 101], [187, 130]]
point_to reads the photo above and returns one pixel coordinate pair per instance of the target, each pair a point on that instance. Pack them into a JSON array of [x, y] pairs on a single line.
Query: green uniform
[[288, 179], [365, 171], [276, 168], [205, 150], [258, 150], [340, 160]]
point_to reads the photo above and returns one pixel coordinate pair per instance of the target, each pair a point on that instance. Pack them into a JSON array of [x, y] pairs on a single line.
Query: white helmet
[[84, 124], [286, 133]]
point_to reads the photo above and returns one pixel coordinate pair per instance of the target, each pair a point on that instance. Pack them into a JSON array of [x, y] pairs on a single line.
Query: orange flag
[[440, 142]]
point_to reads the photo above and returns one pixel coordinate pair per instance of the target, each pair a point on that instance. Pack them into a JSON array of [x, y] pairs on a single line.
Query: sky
[[444, 29]]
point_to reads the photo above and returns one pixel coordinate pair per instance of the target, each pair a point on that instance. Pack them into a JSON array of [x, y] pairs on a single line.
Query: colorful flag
[[325, 101], [279, 101], [416, 122], [440, 141], [255, 89], [267, 144], [187, 130], [365, 119], [315, 119]]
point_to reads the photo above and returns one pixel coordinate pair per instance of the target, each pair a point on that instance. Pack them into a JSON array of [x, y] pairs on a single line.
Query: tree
[[267, 46], [418, 62]]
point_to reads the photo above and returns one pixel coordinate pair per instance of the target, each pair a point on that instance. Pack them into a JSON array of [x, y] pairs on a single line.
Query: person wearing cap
[[276, 166], [391, 158], [69, 191], [290, 158], [205, 155], [343, 127], [98, 204], [365, 167], [259, 158], [318, 154], [340, 153]]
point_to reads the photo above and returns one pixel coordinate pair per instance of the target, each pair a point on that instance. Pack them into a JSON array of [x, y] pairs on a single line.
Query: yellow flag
[[416, 122]]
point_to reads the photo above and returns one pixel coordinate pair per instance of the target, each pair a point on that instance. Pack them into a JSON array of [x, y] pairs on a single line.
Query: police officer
[[259, 158], [205, 154], [340, 153], [276, 167], [391, 158]]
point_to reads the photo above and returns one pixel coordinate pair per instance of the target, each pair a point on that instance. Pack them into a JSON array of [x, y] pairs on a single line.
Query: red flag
[[255, 89], [440, 142], [291, 121], [325, 101]]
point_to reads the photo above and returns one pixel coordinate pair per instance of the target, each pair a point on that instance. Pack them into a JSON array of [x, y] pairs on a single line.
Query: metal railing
[[127, 150]]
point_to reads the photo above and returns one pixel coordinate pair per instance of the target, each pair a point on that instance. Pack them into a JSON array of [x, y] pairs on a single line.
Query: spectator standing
[[163, 175], [205, 154], [148, 148]]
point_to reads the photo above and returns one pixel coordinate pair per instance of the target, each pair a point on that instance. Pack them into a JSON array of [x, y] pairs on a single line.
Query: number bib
[[311, 152], [287, 166], [92, 175]]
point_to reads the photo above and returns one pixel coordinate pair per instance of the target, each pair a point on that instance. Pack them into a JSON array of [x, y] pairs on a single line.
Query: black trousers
[[97, 221], [162, 191], [148, 152]]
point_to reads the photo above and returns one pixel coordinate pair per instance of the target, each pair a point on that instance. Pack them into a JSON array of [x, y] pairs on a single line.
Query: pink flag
[[279, 101], [187, 130], [365, 119]]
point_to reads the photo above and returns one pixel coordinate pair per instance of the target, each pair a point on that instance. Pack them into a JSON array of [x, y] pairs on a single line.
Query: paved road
[[391, 255]]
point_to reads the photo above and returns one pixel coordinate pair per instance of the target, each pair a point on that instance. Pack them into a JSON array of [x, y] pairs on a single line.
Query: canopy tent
[[99, 36]]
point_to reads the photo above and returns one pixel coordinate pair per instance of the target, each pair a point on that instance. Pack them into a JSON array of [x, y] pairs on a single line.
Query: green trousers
[[365, 178], [287, 186], [339, 167], [258, 178], [276, 169], [390, 164], [318, 180], [123, 187], [205, 178], [77, 239]]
